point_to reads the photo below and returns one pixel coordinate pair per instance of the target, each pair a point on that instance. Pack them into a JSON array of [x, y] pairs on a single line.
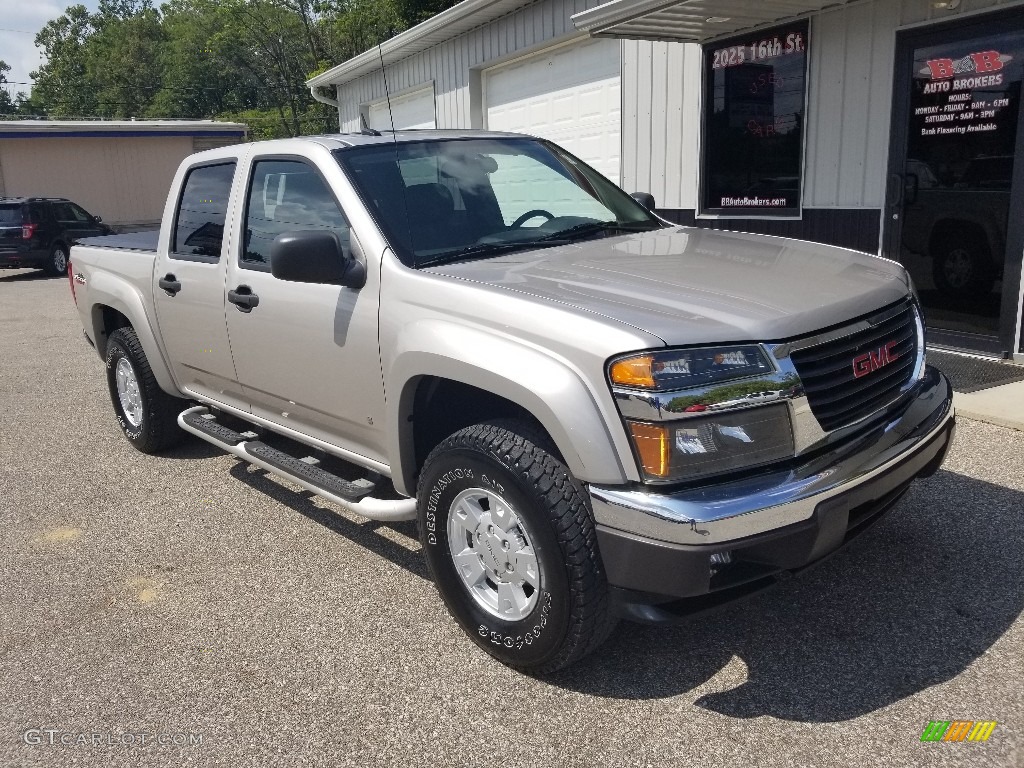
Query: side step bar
[[290, 466], [352, 496], [212, 431]]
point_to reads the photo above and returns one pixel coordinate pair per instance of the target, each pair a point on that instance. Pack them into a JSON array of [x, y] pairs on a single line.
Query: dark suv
[[39, 231]]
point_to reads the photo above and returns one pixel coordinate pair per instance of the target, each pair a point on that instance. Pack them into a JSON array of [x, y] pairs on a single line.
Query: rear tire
[[509, 538], [57, 261], [148, 416]]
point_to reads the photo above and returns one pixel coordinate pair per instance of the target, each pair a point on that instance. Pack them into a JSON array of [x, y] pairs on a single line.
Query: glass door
[[952, 175]]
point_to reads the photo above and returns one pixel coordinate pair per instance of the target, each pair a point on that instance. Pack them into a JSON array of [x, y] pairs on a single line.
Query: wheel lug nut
[[490, 529], [505, 545]]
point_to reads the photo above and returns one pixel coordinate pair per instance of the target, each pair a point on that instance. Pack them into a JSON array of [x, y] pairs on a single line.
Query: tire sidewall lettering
[[434, 496]]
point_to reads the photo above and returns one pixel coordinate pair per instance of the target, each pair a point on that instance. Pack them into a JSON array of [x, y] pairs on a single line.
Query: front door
[[954, 177], [307, 354]]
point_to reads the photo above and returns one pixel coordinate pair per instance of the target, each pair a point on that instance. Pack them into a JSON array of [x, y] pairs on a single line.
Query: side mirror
[[97, 219], [646, 199], [314, 256]]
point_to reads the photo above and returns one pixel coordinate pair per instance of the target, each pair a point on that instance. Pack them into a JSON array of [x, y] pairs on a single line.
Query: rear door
[[307, 354], [188, 285]]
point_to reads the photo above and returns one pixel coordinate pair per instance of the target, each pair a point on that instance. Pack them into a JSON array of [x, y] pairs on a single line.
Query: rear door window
[[202, 210], [287, 196]]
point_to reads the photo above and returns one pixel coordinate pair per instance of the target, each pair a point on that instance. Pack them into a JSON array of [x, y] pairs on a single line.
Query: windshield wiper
[[590, 227], [555, 238], [482, 249]]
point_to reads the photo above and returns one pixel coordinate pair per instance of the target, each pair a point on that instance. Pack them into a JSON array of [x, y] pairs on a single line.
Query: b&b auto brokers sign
[[963, 95]]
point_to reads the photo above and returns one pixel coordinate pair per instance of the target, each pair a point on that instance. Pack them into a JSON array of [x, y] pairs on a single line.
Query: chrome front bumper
[[727, 512]]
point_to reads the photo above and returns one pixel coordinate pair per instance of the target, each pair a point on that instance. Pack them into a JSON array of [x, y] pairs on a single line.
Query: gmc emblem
[[872, 361]]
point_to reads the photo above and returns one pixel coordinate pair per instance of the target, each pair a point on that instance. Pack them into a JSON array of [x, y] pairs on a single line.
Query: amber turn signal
[[633, 371], [654, 446]]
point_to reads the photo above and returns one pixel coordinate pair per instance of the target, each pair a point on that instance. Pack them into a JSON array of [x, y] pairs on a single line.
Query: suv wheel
[[962, 268], [57, 263], [148, 416], [509, 538]]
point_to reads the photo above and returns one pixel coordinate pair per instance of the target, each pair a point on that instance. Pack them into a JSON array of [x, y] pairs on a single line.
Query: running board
[[211, 430], [350, 490], [349, 495]]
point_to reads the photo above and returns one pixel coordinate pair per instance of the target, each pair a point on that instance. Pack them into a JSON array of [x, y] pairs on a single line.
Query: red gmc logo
[[872, 361]]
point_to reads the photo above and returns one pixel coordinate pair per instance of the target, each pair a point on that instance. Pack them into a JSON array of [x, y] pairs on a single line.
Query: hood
[[696, 286]]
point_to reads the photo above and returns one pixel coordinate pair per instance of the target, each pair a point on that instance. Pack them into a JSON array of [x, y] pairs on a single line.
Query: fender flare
[[107, 290], [550, 389]]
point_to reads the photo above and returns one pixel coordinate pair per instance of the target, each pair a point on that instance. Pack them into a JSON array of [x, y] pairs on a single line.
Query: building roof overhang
[[692, 21], [118, 128]]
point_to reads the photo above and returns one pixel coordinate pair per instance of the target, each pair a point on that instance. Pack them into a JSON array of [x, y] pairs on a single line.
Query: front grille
[[837, 397]]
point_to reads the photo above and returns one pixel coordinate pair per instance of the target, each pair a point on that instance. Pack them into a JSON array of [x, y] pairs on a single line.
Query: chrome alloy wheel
[[60, 259], [128, 392], [493, 554]]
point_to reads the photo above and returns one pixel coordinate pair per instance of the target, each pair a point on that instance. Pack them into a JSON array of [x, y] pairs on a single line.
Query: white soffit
[[694, 21]]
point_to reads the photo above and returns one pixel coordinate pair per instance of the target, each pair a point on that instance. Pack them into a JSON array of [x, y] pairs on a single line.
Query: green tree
[[246, 60], [7, 105], [61, 85]]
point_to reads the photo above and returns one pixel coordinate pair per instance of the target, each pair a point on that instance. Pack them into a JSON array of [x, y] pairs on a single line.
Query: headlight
[[713, 444], [681, 369], [743, 419]]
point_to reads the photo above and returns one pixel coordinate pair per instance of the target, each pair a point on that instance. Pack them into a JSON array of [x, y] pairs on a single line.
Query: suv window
[[71, 213], [199, 220], [10, 215], [287, 196]]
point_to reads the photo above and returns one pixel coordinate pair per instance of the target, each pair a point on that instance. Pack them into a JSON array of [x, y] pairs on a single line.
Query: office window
[[753, 123]]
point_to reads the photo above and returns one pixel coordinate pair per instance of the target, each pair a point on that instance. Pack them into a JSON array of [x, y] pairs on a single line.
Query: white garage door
[[412, 110], [568, 94]]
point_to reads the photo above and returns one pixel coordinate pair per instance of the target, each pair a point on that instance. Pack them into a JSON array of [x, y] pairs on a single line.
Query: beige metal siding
[[660, 121], [121, 179]]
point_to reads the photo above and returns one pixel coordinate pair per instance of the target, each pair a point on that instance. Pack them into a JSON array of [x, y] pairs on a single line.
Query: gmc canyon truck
[[592, 413]]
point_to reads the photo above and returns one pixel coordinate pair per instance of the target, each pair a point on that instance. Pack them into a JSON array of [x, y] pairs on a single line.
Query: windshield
[[448, 200]]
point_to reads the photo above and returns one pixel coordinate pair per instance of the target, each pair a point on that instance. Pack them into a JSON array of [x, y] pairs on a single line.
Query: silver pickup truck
[[592, 413]]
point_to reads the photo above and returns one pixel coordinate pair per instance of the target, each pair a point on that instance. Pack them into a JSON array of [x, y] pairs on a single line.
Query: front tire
[[509, 538], [147, 415]]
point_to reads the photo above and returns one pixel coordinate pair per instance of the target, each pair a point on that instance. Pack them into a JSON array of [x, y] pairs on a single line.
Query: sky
[[20, 20]]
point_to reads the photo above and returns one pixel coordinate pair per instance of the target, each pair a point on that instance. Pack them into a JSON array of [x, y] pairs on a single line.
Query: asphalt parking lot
[[187, 597]]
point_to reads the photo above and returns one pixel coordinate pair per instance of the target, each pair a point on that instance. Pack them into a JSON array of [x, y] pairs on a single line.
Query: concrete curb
[[1002, 406]]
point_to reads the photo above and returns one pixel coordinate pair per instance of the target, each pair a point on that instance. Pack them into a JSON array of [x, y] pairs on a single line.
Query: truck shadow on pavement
[[909, 604], [365, 533], [29, 275]]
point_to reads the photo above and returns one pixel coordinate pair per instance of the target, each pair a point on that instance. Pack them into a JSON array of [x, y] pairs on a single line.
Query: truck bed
[[130, 241]]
